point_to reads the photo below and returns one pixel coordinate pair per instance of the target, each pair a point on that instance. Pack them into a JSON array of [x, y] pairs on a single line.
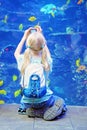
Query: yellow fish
[[2, 102], [5, 19], [3, 92], [53, 15], [1, 82], [78, 62], [32, 18], [21, 26], [14, 77], [17, 93]]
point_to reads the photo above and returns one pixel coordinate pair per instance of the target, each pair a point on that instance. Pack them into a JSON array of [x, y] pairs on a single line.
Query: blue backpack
[[34, 90]]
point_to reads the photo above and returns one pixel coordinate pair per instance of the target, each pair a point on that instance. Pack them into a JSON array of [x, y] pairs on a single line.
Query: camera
[[33, 30]]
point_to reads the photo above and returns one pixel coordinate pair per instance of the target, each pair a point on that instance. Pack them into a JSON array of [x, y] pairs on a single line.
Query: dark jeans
[[44, 104]]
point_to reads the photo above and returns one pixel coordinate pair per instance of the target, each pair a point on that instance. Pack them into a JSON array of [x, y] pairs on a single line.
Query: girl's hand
[[39, 29], [27, 33]]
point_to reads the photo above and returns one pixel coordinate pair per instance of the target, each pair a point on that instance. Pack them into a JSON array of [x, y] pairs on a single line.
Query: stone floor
[[75, 119]]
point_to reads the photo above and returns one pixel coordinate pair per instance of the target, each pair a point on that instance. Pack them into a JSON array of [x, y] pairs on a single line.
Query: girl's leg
[[37, 110], [23, 107], [55, 110]]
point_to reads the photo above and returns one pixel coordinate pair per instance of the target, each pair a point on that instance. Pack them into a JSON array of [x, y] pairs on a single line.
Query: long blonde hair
[[35, 42]]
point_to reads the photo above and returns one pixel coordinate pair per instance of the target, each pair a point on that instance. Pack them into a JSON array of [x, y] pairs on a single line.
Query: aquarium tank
[[64, 24]]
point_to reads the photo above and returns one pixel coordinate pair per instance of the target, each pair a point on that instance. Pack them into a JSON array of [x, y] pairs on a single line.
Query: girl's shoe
[[31, 112], [64, 110], [22, 111], [54, 111]]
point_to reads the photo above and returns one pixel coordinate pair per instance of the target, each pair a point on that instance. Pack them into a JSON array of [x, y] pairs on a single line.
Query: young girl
[[35, 64]]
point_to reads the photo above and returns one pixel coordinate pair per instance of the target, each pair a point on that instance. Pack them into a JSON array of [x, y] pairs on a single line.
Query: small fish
[[3, 92], [78, 62], [52, 14], [81, 68], [68, 1], [69, 30], [8, 48], [50, 29], [2, 102], [1, 82], [14, 77], [5, 19], [79, 2], [32, 18], [21, 26], [17, 93]]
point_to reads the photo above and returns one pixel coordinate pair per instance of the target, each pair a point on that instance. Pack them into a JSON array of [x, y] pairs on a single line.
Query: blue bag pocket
[[34, 90]]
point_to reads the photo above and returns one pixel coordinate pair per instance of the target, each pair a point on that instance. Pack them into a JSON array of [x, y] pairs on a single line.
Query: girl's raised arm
[[21, 43]]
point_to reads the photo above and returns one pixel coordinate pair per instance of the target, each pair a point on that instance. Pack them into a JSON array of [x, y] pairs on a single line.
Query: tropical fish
[[21, 26], [2, 102], [1, 82], [32, 18], [48, 9], [50, 29], [69, 30], [3, 92], [52, 14], [81, 68], [7, 52], [17, 93], [79, 2], [78, 62], [53, 10], [8, 48], [14, 77], [5, 19]]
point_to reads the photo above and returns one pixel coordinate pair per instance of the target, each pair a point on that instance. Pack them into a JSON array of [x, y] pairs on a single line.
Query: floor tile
[[74, 119]]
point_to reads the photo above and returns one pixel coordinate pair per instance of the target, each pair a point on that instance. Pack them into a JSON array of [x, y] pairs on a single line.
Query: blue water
[[65, 28]]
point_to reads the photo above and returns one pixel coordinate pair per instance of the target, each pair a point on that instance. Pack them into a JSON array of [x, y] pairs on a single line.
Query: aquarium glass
[[64, 25]]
